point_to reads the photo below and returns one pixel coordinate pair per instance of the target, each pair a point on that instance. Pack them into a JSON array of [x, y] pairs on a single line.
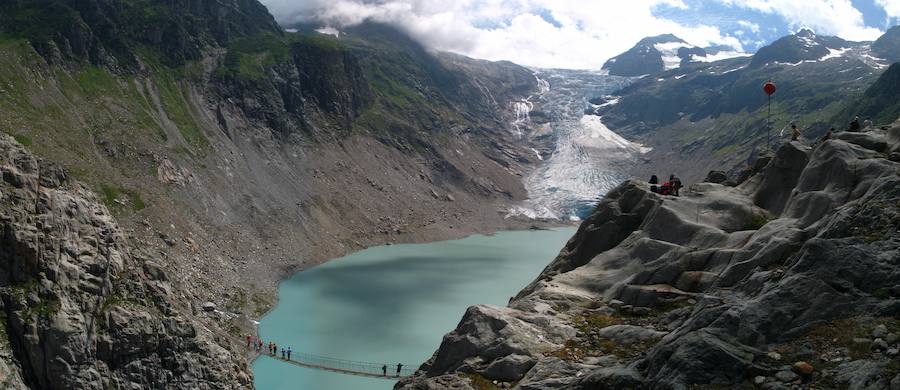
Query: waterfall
[[523, 111]]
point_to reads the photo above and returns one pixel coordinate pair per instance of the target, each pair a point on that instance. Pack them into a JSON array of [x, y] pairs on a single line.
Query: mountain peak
[[661, 53], [806, 33], [663, 38], [805, 45]]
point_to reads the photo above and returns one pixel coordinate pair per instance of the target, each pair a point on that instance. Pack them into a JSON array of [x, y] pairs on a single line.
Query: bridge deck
[[347, 367]]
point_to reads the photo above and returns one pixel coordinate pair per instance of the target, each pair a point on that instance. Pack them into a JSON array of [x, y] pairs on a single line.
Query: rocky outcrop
[[790, 278], [80, 307], [108, 33]]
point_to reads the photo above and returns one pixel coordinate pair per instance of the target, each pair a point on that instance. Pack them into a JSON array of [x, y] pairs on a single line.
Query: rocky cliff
[[232, 153], [790, 278], [83, 308]]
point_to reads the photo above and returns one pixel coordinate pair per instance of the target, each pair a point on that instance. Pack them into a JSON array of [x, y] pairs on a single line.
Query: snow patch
[[669, 51], [328, 30], [722, 55], [835, 53]]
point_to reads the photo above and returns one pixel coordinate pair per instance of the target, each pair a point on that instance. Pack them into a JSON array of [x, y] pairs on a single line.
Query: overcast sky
[[584, 33]]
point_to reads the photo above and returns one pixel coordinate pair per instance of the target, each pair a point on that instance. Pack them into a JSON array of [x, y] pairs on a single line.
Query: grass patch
[[755, 222], [481, 383], [110, 302], [20, 138], [179, 111], [96, 82], [117, 198], [249, 57]]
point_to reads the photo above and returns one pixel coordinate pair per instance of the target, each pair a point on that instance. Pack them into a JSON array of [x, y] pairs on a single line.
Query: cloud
[[541, 33], [832, 17], [749, 25], [891, 7]]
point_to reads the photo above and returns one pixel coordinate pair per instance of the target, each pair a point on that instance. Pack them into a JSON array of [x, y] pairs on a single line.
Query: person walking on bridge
[[289, 353], [384, 370], [282, 353], [399, 367]]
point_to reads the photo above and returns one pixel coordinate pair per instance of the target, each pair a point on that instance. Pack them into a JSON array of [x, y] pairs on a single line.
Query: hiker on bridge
[[282, 353], [289, 353], [399, 367], [384, 370]]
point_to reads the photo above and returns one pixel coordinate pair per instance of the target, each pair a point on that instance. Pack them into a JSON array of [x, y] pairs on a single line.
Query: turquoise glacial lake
[[394, 303]]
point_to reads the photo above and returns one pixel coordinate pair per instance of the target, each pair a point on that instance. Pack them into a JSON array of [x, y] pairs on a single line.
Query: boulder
[[786, 376], [874, 140], [803, 368], [509, 368], [773, 186], [491, 333], [716, 177]]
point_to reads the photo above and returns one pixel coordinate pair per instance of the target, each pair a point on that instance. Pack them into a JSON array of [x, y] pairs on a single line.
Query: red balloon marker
[[769, 88]]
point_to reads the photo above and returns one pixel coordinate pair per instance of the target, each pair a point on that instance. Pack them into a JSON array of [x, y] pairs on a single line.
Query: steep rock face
[[265, 154], [801, 259], [83, 309], [879, 102], [108, 33], [888, 45]]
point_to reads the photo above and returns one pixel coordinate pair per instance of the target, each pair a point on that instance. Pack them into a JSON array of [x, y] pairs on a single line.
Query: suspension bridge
[[347, 367]]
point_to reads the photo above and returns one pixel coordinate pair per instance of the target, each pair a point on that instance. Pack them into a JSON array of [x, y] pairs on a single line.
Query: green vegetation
[[481, 383], [179, 111], [111, 301], [22, 139], [249, 57], [95, 82], [755, 221], [38, 20], [112, 196]]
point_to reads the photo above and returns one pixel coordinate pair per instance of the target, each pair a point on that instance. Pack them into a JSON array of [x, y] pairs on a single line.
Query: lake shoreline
[[494, 243]]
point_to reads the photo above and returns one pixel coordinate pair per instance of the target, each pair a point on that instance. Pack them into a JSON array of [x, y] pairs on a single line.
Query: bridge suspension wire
[[349, 367]]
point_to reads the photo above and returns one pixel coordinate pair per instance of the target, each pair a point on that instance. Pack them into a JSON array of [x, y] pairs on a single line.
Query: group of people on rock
[[671, 187], [271, 348], [854, 126]]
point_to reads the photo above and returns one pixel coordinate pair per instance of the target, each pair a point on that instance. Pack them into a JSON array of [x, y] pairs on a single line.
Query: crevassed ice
[[588, 159]]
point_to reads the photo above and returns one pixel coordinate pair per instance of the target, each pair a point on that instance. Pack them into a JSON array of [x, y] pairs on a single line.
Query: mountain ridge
[[257, 154]]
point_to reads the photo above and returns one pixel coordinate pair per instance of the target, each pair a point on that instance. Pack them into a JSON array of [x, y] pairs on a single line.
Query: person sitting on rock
[[854, 126], [653, 184], [674, 185], [828, 135], [867, 124], [795, 133], [666, 189]]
